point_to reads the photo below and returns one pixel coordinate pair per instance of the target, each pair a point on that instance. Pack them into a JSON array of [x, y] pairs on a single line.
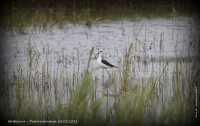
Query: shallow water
[[154, 40], [150, 37]]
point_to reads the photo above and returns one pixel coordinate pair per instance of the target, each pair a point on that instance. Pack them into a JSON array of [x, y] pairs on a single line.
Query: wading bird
[[103, 63]]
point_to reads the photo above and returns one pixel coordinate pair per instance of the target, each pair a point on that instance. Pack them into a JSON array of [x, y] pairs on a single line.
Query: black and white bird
[[103, 63]]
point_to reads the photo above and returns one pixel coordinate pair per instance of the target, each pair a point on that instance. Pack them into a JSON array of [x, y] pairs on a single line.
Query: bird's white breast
[[101, 64]]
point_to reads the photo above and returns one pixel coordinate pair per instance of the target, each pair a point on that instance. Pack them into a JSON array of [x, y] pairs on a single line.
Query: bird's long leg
[[102, 72], [103, 75], [108, 72]]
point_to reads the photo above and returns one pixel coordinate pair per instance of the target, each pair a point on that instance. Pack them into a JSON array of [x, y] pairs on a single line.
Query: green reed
[[137, 101]]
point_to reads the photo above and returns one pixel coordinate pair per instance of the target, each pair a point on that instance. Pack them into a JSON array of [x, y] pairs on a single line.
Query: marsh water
[[152, 38], [156, 42]]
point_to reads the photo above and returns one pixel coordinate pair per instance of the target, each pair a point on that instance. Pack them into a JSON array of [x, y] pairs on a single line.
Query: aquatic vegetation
[[136, 101], [64, 88]]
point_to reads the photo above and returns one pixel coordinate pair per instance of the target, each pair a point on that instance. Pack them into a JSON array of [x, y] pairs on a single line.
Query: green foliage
[[136, 101]]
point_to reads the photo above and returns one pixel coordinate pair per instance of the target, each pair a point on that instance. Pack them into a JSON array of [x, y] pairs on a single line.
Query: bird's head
[[100, 53]]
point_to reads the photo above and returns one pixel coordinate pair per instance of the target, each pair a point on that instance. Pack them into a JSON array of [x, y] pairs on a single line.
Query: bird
[[103, 63]]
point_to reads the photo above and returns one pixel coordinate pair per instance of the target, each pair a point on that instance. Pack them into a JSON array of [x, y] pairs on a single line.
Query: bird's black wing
[[107, 63]]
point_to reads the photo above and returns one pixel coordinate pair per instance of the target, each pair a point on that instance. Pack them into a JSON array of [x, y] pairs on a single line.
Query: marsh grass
[[40, 95], [143, 101], [21, 19]]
